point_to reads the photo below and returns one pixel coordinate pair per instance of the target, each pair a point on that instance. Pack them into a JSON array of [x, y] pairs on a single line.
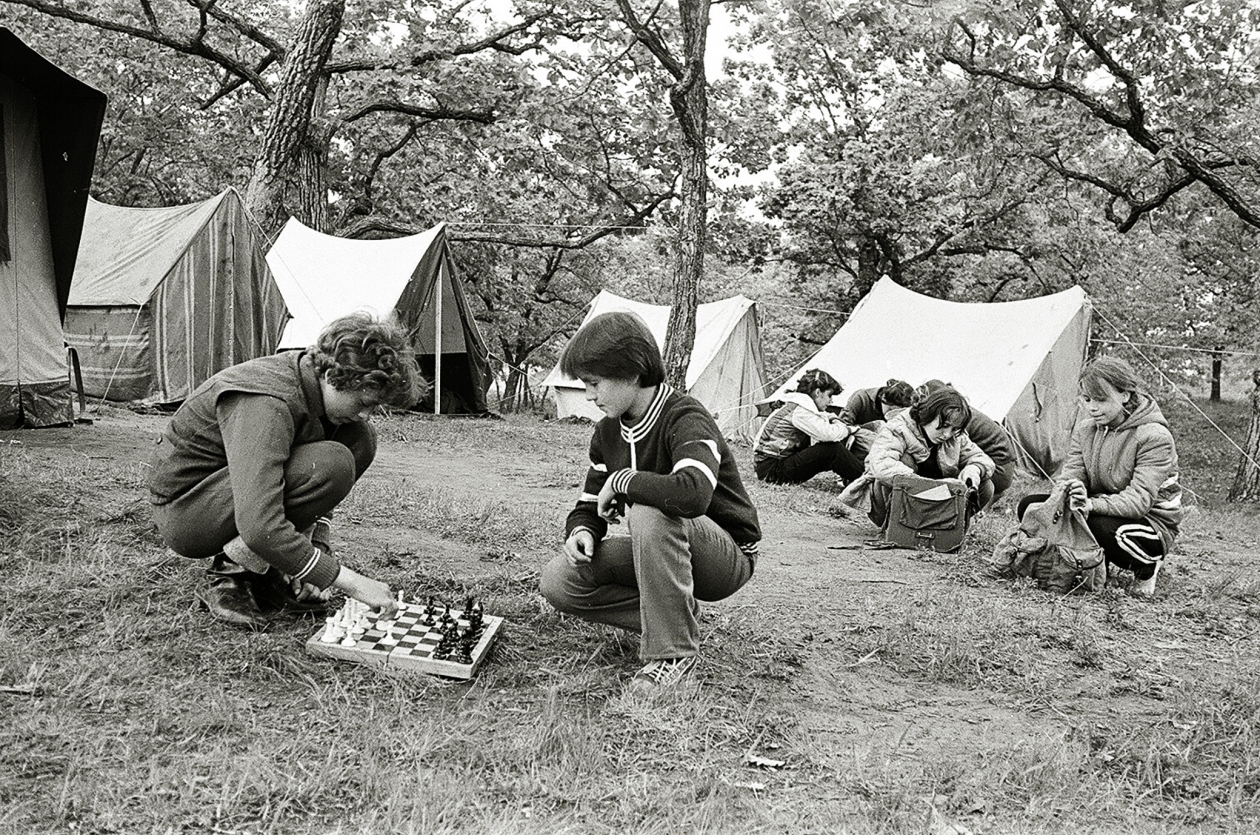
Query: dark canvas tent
[[164, 298], [49, 126], [413, 277]]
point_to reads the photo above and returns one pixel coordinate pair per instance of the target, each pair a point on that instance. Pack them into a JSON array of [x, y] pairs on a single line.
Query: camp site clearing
[[844, 690]]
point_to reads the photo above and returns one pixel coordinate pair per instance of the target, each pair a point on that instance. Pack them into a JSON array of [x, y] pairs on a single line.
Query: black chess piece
[[476, 620]]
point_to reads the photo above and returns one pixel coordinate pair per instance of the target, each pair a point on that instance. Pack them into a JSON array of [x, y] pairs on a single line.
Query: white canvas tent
[[49, 126], [1017, 362], [324, 277], [164, 298], [726, 374]]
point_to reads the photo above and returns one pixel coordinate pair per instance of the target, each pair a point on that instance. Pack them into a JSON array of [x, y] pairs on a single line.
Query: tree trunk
[[1218, 360], [286, 138], [1246, 485], [690, 100], [870, 263]]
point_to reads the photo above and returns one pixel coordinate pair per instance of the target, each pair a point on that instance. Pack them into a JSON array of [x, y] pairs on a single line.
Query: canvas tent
[[49, 126], [726, 374], [164, 298], [1017, 362], [413, 277]]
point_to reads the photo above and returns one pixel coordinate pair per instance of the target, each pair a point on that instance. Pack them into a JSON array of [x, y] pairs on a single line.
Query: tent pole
[[437, 343]]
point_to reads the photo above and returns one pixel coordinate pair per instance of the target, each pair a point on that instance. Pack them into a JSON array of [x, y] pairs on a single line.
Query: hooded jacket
[[1130, 470]]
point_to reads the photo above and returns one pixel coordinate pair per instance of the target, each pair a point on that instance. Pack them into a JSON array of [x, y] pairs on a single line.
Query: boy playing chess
[[659, 462], [252, 464]]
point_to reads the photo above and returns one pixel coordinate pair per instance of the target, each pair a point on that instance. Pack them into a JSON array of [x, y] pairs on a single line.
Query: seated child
[[800, 439], [1121, 470], [658, 461], [252, 464], [877, 404], [987, 434], [926, 440]]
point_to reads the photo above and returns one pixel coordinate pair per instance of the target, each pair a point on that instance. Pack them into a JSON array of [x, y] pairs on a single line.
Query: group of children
[[1121, 467], [251, 466]]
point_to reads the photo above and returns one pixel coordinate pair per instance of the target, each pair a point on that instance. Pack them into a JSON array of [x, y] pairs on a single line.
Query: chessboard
[[426, 638]]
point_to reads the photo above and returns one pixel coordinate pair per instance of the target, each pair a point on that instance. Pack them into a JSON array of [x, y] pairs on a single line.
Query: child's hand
[[609, 504], [579, 547], [305, 591], [366, 590], [1077, 492], [970, 476]]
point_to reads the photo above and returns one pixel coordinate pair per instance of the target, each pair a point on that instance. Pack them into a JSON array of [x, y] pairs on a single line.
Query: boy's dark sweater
[[674, 459]]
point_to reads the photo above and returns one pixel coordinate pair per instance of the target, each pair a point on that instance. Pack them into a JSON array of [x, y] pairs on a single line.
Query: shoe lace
[[668, 669]]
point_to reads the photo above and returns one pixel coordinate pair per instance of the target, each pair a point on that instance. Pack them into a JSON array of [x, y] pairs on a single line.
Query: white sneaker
[[663, 673], [1146, 588]]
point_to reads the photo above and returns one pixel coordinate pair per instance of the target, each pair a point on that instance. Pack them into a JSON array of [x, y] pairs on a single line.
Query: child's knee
[[645, 519], [553, 582]]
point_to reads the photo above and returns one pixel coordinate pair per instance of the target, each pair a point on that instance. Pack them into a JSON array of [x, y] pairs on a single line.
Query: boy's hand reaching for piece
[[579, 547], [366, 590]]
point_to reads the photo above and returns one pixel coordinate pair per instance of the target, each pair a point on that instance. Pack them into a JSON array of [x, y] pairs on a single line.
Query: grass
[[934, 695]]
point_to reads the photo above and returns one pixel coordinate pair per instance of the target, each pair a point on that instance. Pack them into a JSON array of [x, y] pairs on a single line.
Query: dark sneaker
[[274, 593], [663, 674], [231, 600]]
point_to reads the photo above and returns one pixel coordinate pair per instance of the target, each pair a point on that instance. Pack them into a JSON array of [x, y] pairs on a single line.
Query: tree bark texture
[[689, 98], [283, 161], [1246, 485]]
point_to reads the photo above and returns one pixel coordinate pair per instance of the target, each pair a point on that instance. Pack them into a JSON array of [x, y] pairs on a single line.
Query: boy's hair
[[920, 394], [895, 393], [1115, 371], [359, 351], [818, 380], [945, 403], [614, 346]]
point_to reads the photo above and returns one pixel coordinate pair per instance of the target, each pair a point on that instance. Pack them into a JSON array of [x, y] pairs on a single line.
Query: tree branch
[[650, 38], [189, 46], [439, 113]]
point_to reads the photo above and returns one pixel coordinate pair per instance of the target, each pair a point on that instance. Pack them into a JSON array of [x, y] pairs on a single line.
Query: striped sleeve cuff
[[620, 481], [321, 569]]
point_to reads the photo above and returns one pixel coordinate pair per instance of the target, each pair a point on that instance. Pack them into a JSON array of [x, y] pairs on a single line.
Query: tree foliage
[[1157, 97]]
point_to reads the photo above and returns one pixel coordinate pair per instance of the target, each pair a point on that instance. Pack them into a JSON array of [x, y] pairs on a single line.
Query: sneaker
[[1145, 588], [663, 673]]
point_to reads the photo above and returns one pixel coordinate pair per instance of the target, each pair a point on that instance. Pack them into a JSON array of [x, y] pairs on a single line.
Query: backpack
[[1054, 545], [927, 513]]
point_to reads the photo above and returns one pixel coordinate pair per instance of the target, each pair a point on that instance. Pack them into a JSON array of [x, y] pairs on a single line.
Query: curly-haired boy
[[250, 467]]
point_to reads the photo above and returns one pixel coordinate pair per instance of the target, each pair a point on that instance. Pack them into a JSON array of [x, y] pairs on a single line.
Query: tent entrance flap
[[48, 137]]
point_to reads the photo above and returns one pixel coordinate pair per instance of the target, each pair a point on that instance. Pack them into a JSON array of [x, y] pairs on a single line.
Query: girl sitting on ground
[[927, 440], [801, 438], [1121, 471]]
